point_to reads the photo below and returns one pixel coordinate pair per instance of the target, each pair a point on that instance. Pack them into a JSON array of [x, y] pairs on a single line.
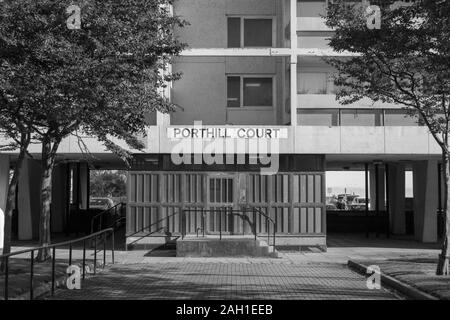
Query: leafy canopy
[[102, 79], [406, 61]]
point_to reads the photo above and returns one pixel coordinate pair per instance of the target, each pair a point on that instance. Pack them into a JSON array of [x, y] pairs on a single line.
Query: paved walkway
[[223, 281], [296, 275]]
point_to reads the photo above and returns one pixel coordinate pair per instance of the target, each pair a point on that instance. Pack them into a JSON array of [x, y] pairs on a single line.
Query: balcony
[[319, 140], [307, 24], [316, 101]]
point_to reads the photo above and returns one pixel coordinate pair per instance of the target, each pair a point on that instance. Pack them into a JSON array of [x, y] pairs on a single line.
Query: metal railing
[[149, 227], [5, 258], [233, 212], [99, 217]]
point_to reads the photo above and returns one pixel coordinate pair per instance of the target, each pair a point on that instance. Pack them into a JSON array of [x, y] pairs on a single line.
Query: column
[[373, 187], [4, 184], [294, 60], [80, 185], [59, 198], [84, 186], [396, 181], [29, 201], [425, 185]]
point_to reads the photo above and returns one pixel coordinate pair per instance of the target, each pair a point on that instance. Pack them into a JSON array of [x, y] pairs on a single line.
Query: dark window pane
[[234, 32], [234, 92], [258, 32], [399, 118], [258, 92], [361, 117], [318, 117]]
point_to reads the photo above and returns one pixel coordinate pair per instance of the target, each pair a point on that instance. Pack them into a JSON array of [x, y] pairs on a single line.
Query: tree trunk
[[443, 267], [12, 187], [48, 161]]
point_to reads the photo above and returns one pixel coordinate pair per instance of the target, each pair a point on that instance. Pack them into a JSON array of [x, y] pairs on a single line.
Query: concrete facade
[[4, 182], [298, 47], [425, 200]]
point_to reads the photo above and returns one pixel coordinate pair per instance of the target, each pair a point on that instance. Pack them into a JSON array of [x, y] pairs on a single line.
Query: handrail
[[102, 213], [151, 225], [146, 235], [5, 257], [233, 212], [274, 224]]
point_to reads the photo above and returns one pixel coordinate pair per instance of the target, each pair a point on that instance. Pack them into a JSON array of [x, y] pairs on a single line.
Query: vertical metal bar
[[203, 222], [182, 224], [386, 183], [88, 186], [366, 186], [31, 273], [70, 254], [220, 223], [243, 221], [6, 262], [84, 258], [377, 198], [440, 213], [95, 254], [104, 250], [268, 230], [53, 270], [274, 234], [254, 222], [112, 248]]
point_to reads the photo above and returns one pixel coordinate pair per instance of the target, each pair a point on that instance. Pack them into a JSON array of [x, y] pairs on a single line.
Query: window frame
[[241, 91], [242, 31]]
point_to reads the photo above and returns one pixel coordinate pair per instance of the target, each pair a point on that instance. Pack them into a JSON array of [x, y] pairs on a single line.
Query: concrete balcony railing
[[326, 140], [305, 24], [318, 101]]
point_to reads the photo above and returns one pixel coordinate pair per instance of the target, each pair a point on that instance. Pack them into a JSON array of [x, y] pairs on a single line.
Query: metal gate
[[221, 201]]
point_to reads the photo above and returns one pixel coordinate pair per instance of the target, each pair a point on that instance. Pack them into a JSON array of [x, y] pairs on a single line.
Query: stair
[[227, 247]]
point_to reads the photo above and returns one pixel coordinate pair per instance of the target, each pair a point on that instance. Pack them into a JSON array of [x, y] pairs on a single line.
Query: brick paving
[[142, 274], [221, 280]]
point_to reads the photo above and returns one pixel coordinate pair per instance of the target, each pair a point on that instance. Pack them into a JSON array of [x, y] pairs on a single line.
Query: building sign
[[204, 132]]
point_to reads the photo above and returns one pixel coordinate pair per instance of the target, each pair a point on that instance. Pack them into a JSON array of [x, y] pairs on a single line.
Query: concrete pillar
[[29, 202], [59, 198], [425, 185], [4, 184], [381, 187], [80, 185], [396, 181], [84, 186], [294, 61]]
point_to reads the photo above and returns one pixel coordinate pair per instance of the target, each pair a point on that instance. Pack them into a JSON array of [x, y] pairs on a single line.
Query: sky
[[353, 181]]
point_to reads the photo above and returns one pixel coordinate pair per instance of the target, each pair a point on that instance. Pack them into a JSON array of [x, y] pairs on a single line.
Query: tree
[[96, 69], [108, 183], [405, 61]]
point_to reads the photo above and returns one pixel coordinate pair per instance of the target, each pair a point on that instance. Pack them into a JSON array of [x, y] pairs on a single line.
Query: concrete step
[[227, 247]]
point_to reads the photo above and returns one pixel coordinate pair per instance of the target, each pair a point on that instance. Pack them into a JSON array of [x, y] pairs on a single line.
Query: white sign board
[[203, 132]]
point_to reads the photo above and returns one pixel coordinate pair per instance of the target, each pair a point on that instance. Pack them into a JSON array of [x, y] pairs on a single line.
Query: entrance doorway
[[221, 201]]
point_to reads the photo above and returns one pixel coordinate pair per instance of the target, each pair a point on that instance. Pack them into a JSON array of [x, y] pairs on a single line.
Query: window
[[234, 92], [361, 117], [246, 91], [318, 117], [312, 83], [250, 32], [394, 117]]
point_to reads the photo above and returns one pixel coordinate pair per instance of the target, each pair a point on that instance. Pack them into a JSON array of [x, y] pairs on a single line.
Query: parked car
[[358, 204], [331, 206], [101, 203]]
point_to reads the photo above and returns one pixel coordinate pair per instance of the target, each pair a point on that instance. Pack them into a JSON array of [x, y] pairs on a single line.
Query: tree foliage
[[100, 80], [406, 61]]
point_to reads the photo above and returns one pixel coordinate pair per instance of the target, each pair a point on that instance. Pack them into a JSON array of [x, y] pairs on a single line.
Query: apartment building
[[256, 93]]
